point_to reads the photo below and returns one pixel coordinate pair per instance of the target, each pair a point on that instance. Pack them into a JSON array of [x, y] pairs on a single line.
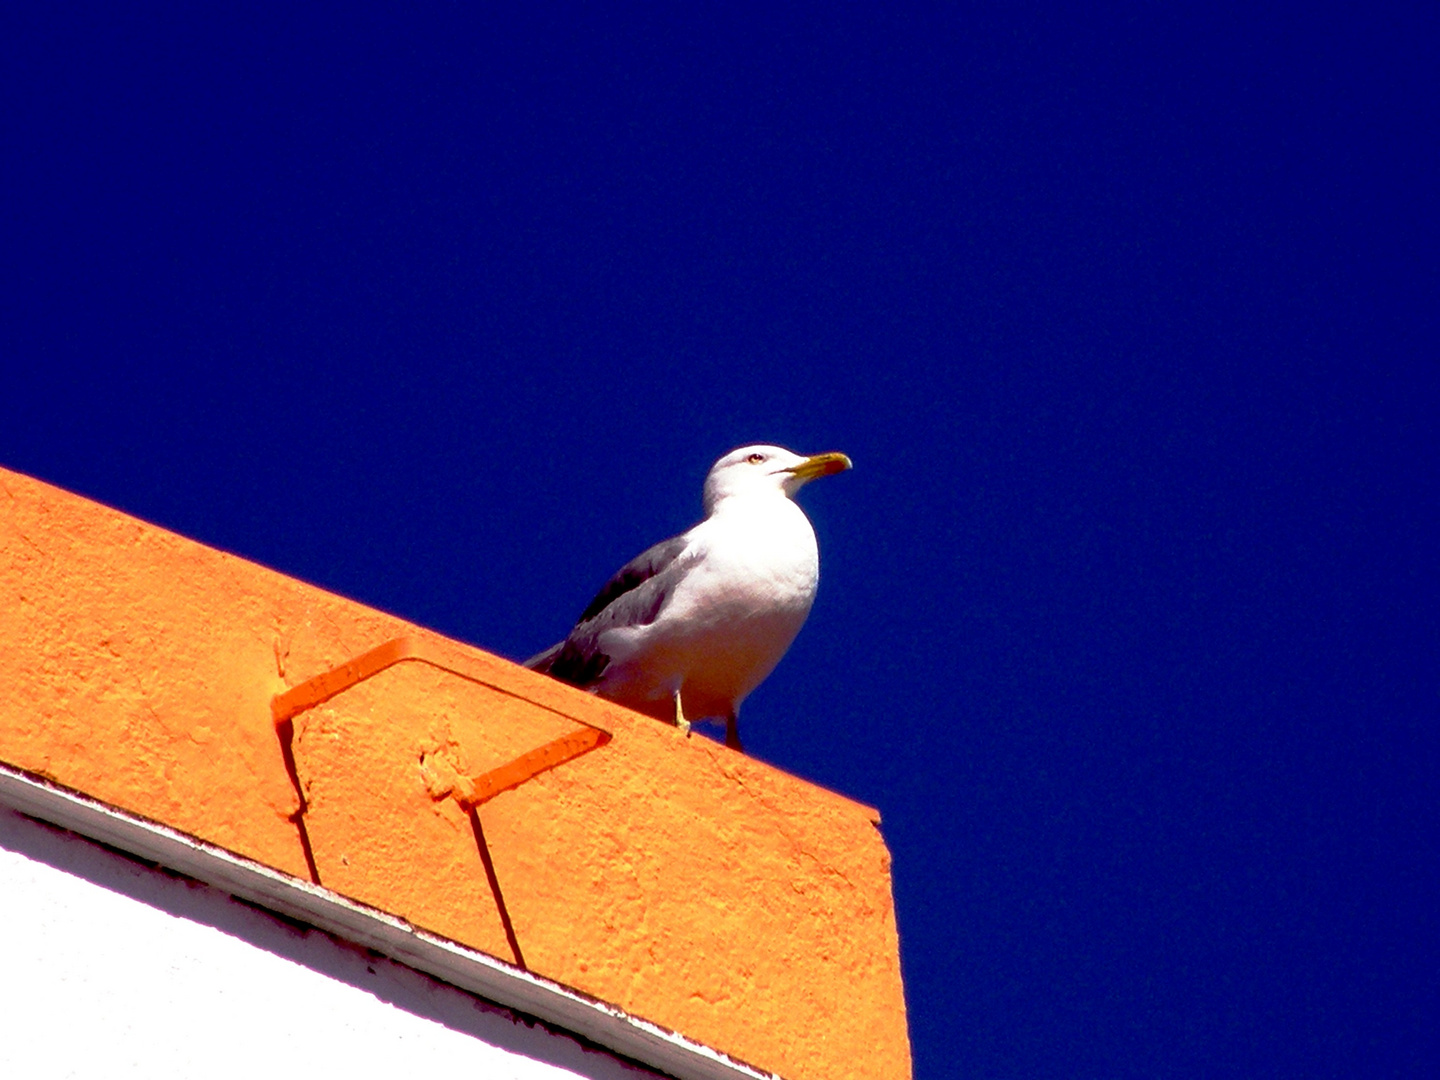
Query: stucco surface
[[680, 880]]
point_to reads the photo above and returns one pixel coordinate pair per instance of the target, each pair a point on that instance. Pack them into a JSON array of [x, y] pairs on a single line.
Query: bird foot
[[680, 721]]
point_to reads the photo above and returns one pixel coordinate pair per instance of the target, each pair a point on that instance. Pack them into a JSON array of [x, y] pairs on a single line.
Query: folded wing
[[634, 596]]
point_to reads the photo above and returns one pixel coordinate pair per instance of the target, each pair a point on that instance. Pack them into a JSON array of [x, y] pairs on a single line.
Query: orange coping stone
[[684, 882]]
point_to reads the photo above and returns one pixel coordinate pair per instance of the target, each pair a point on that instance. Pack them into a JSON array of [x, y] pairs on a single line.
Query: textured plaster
[[682, 881]]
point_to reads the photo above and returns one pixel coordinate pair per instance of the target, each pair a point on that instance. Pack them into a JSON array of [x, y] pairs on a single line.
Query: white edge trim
[[471, 970]]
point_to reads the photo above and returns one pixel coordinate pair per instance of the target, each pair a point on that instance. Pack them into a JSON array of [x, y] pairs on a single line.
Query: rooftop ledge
[[664, 896]]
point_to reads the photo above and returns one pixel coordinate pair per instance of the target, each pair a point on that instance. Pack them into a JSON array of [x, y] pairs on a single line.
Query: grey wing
[[632, 597], [649, 565]]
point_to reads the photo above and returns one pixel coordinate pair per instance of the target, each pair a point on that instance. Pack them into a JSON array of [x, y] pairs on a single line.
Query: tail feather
[[541, 662]]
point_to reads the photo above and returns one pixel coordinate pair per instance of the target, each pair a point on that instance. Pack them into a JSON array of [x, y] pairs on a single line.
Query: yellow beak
[[820, 465]]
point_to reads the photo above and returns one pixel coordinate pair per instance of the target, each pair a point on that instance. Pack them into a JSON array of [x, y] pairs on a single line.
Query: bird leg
[[680, 721], [732, 733]]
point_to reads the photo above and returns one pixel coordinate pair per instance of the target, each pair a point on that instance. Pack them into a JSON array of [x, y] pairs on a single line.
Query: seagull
[[689, 627]]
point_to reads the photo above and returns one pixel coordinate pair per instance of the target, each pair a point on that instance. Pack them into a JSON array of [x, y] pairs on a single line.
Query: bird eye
[[755, 459]]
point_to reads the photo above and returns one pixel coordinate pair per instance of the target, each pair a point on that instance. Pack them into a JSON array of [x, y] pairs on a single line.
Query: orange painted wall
[[686, 883]]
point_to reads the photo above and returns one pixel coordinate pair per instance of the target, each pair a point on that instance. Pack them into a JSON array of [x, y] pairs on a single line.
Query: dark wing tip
[[541, 661], [571, 664]]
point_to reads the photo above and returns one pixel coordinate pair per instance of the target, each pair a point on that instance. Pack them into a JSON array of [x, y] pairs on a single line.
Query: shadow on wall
[[388, 981]]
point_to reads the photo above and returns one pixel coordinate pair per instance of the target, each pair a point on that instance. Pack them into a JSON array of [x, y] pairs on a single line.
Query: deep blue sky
[[1129, 620]]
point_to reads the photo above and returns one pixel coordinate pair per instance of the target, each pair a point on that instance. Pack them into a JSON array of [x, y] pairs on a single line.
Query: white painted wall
[[109, 968]]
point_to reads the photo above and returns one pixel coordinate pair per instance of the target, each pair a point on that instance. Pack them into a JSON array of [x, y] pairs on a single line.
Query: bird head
[[753, 470]]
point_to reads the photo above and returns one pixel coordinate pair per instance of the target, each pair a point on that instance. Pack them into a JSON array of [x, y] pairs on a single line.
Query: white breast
[[752, 575]]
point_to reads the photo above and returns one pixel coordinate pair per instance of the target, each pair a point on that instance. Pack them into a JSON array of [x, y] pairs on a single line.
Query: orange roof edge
[[690, 886], [477, 972]]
